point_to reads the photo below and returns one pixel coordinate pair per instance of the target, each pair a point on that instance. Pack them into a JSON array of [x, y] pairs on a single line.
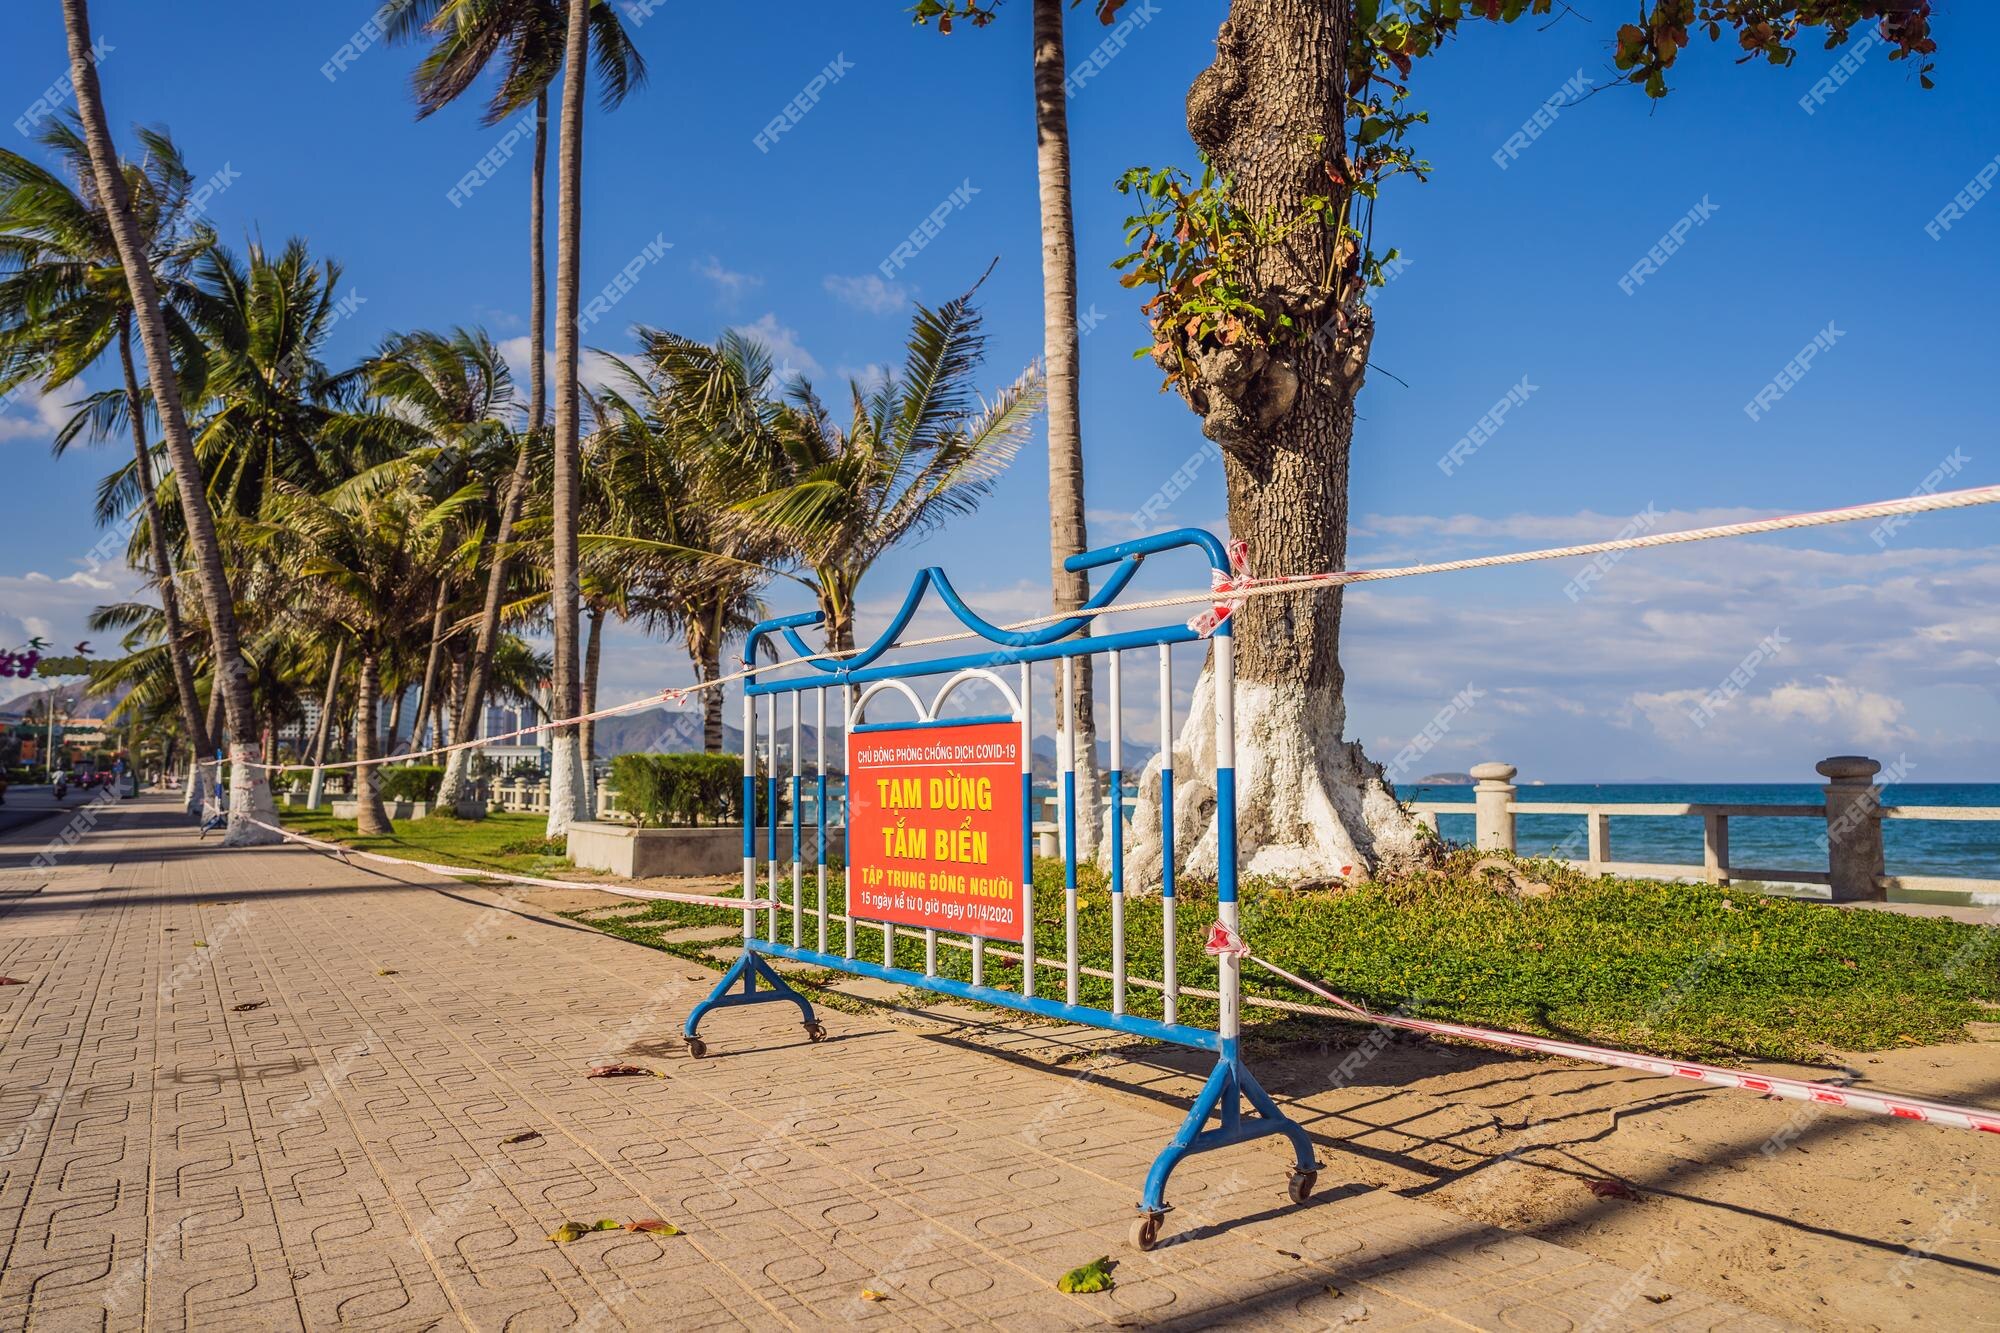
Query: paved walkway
[[264, 1089]]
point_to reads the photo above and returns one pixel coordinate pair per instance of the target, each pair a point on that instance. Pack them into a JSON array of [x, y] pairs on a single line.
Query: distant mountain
[[89, 707], [1446, 780]]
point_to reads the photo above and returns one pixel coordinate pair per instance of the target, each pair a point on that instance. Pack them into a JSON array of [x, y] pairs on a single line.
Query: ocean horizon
[[1959, 848]]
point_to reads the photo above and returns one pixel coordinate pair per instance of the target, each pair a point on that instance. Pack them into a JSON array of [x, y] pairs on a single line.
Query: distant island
[[1446, 780]]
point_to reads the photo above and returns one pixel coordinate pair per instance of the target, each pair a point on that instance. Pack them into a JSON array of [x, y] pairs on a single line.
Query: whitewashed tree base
[[565, 784], [249, 798], [1309, 806], [453, 787]]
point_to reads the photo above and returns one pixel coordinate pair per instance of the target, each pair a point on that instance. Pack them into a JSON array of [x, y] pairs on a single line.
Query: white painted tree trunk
[[198, 778], [566, 802], [1309, 807], [456, 784], [249, 798]]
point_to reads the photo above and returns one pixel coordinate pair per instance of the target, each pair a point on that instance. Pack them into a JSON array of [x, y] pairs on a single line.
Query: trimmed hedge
[[415, 782], [660, 789]]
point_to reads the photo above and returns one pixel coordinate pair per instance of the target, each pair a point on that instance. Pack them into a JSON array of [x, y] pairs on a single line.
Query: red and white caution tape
[[660, 895], [1227, 591], [1798, 1090]]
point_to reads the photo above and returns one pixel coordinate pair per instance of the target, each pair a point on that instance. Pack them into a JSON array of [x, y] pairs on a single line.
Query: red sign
[[934, 828]]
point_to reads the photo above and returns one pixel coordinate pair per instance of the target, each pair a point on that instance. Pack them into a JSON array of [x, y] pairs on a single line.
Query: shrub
[[416, 782], [657, 789]]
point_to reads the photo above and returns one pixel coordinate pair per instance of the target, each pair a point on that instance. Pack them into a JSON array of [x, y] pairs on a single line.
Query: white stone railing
[[1853, 811]]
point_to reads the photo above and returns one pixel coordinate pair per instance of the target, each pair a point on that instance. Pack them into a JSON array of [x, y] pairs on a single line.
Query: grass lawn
[[1670, 969]]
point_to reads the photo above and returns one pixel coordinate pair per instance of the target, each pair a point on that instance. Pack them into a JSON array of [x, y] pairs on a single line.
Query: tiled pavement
[[265, 1089]]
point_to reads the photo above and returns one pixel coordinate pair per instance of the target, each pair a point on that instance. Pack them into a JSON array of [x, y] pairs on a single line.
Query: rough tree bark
[[427, 691], [593, 657], [185, 693], [1269, 113], [250, 794], [1065, 419], [369, 816], [470, 704], [565, 767]]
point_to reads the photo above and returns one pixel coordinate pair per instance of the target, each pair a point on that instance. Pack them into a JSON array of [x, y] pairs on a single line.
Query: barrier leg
[[739, 986], [1221, 1098]]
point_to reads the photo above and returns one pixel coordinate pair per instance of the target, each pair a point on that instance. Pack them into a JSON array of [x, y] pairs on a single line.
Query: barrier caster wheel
[[696, 1048], [1301, 1186], [816, 1031], [1146, 1231]]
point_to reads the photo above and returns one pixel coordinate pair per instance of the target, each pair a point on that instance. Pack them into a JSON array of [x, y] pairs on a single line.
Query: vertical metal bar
[[930, 951], [771, 791], [1229, 967], [1171, 974], [798, 829], [1068, 749], [888, 945], [1113, 660], [1027, 829], [749, 814], [847, 824], [819, 808]]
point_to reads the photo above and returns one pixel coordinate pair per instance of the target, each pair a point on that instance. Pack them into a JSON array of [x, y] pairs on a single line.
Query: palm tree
[[250, 807], [364, 560], [64, 300], [530, 39], [918, 448]]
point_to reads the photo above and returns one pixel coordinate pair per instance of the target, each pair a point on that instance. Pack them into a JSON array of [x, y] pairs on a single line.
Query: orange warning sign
[[934, 827]]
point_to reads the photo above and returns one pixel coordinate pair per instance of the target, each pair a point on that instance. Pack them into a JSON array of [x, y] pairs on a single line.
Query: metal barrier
[[971, 875]]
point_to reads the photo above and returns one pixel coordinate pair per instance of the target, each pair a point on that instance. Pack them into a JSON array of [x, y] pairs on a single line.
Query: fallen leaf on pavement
[[621, 1071], [525, 1136], [1093, 1276], [870, 1294], [201, 944], [1657, 1300], [1612, 1189], [570, 1231], [385, 972], [12, 981], [248, 1005], [659, 1226]]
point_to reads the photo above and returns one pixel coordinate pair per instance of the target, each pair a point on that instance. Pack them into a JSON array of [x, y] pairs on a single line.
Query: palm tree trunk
[[163, 567], [1060, 349], [369, 816], [251, 787], [708, 665], [427, 692], [325, 727], [566, 773], [593, 654], [471, 703], [395, 718]]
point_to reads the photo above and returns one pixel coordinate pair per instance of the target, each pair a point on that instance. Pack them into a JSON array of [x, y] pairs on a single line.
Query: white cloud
[[729, 284], [28, 414], [594, 368], [782, 342], [869, 292]]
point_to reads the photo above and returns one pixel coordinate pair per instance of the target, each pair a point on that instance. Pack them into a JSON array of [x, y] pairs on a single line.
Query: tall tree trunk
[[427, 692], [593, 654], [1269, 113], [207, 774], [369, 816], [471, 702], [395, 730], [1065, 418], [325, 728], [708, 666], [566, 770], [163, 566], [251, 787]]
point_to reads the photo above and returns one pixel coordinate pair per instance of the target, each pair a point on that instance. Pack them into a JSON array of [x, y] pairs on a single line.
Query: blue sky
[[1808, 218]]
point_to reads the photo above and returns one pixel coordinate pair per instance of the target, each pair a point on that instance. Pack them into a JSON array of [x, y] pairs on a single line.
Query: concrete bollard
[[1493, 822], [1853, 826]]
